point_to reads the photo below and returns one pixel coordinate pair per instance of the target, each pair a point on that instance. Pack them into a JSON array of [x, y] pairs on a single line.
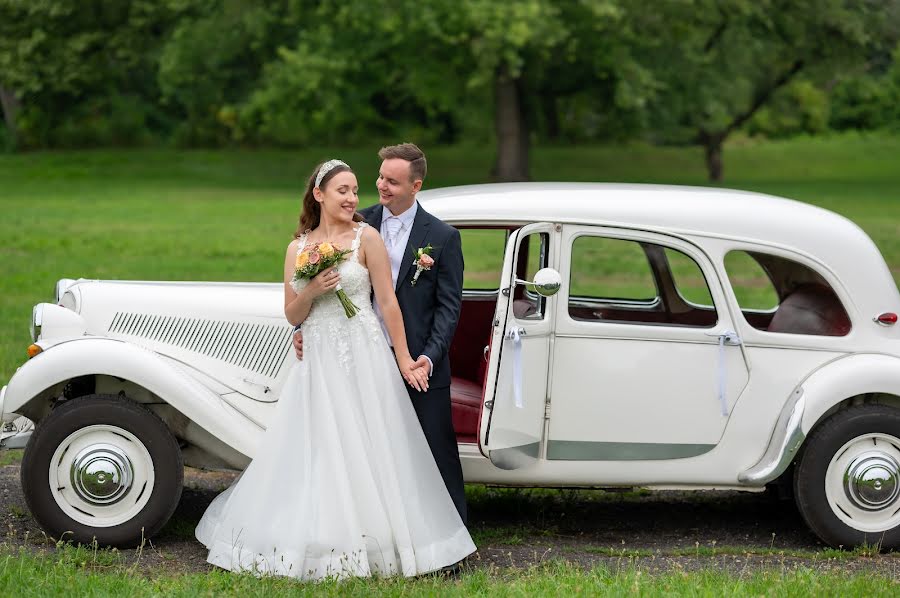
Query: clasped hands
[[415, 372]]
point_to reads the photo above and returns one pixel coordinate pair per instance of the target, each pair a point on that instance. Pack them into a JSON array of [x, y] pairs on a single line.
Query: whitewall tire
[[102, 467], [847, 484]]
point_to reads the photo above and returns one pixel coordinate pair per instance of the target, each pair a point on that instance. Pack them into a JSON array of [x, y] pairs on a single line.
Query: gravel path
[[651, 531]]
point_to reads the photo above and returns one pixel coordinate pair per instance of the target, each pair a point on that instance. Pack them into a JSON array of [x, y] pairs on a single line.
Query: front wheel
[[847, 484], [102, 467]]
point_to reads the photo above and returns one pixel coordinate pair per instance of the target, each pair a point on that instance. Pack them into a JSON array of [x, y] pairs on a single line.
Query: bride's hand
[[414, 374], [323, 282]]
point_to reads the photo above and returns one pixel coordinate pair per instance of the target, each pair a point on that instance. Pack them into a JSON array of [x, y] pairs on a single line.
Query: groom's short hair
[[410, 152]]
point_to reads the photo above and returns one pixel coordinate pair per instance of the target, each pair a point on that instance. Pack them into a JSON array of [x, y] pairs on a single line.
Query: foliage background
[[509, 75]]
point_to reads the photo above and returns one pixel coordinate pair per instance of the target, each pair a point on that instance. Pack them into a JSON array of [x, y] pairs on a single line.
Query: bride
[[344, 483]]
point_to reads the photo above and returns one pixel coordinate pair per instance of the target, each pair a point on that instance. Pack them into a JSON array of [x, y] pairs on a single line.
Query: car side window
[[750, 283], [777, 294], [483, 253], [533, 255], [637, 283], [688, 279]]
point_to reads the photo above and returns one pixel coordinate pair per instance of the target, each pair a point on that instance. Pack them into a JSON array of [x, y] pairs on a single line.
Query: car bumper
[[15, 430]]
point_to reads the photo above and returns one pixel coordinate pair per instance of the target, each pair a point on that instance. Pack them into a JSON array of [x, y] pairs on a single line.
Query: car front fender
[[89, 356], [850, 376]]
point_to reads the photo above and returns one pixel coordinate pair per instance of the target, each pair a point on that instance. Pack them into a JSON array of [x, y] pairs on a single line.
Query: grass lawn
[[10, 457], [83, 571], [228, 215]]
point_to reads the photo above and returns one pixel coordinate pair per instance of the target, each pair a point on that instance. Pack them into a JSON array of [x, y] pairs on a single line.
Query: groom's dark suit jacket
[[430, 313], [431, 306]]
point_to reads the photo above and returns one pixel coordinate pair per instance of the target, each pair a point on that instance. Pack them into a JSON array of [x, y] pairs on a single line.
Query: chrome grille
[[258, 348]]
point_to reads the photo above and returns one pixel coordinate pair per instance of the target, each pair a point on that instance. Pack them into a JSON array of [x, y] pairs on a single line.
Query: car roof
[[694, 211], [702, 210]]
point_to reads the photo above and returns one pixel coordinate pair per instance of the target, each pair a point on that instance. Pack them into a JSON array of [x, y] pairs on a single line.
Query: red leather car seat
[[465, 397], [811, 309]]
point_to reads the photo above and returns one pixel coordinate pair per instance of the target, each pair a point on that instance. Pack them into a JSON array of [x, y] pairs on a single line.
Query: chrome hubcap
[[862, 483], [871, 480], [101, 474]]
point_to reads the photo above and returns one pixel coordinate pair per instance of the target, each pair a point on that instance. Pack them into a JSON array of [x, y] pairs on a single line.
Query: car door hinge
[[489, 405], [505, 292]]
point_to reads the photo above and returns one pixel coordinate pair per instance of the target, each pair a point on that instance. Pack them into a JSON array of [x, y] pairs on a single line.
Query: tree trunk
[[10, 105], [712, 143], [511, 129], [712, 146]]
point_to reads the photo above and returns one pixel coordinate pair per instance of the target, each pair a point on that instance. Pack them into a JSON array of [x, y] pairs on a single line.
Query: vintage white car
[[699, 338]]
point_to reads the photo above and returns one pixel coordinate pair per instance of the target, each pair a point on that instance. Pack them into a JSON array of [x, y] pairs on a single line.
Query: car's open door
[[514, 409]]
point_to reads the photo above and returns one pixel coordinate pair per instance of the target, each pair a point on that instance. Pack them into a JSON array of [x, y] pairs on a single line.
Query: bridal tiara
[[326, 168]]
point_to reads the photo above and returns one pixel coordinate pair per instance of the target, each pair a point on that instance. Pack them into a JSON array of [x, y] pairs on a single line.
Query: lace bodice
[[355, 282]]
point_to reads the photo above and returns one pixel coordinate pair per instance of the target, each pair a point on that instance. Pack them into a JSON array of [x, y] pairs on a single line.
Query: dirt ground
[[652, 531]]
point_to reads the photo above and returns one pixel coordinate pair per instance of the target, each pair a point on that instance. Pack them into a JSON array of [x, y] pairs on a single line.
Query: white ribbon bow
[[516, 338], [723, 399]]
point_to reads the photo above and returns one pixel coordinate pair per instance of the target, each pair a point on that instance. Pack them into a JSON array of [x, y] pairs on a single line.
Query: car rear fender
[[857, 375], [98, 356]]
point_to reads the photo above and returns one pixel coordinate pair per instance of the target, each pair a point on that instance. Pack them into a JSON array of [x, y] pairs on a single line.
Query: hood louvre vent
[[258, 348]]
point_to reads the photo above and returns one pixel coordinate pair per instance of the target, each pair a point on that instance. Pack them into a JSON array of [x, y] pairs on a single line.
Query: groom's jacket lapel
[[416, 240], [372, 216]]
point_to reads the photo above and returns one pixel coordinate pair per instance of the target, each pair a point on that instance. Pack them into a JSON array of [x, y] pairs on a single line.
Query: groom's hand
[[423, 362], [298, 344]]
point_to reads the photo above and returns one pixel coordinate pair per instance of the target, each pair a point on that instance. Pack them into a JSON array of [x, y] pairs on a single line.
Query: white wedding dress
[[344, 483]]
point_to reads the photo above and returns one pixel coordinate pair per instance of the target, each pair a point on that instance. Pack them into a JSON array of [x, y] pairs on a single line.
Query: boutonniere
[[423, 262]]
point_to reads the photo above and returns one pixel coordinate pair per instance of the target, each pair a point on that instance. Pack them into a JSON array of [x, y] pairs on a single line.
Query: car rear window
[[777, 294]]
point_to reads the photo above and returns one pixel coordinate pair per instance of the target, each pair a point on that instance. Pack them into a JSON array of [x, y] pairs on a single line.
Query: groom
[[430, 306]]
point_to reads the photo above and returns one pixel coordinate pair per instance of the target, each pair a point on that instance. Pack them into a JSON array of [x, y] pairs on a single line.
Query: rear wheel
[[847, 484], [102, 467]]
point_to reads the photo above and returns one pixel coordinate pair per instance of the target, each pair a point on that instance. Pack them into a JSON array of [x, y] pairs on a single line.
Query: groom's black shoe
[[452, 571]]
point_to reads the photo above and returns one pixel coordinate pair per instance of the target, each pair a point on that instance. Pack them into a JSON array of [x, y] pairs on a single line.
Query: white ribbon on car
[[723, 399], [516, 337], [726, 338]]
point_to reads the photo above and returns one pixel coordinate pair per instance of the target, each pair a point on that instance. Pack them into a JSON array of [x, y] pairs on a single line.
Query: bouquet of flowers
[[315, 257]]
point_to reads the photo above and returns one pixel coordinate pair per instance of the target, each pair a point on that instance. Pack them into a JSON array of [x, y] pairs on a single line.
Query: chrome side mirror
[[546, 283]]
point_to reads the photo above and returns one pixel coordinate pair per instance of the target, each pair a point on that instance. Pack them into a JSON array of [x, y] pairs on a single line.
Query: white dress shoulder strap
[[357, 240], [301, 241]]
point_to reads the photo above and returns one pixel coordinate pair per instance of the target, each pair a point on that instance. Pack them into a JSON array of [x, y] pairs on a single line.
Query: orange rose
[[326, 249], [302, 259]]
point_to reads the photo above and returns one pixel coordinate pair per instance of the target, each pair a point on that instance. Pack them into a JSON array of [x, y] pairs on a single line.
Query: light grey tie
[[393, 225]]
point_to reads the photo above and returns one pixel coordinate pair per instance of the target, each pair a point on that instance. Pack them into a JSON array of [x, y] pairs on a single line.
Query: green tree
[[60, 58], [214, 58], [362, 66], [718, 62], [797, 108]]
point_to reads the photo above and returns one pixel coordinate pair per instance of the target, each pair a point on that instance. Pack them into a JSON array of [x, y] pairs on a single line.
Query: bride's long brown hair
[[311, 211]]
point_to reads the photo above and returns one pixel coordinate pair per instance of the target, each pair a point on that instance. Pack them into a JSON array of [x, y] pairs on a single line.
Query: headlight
[[37, 318]]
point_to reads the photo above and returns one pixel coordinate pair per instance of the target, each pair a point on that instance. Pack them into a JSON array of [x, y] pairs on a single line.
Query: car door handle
[[512, 332], [728, 337]]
